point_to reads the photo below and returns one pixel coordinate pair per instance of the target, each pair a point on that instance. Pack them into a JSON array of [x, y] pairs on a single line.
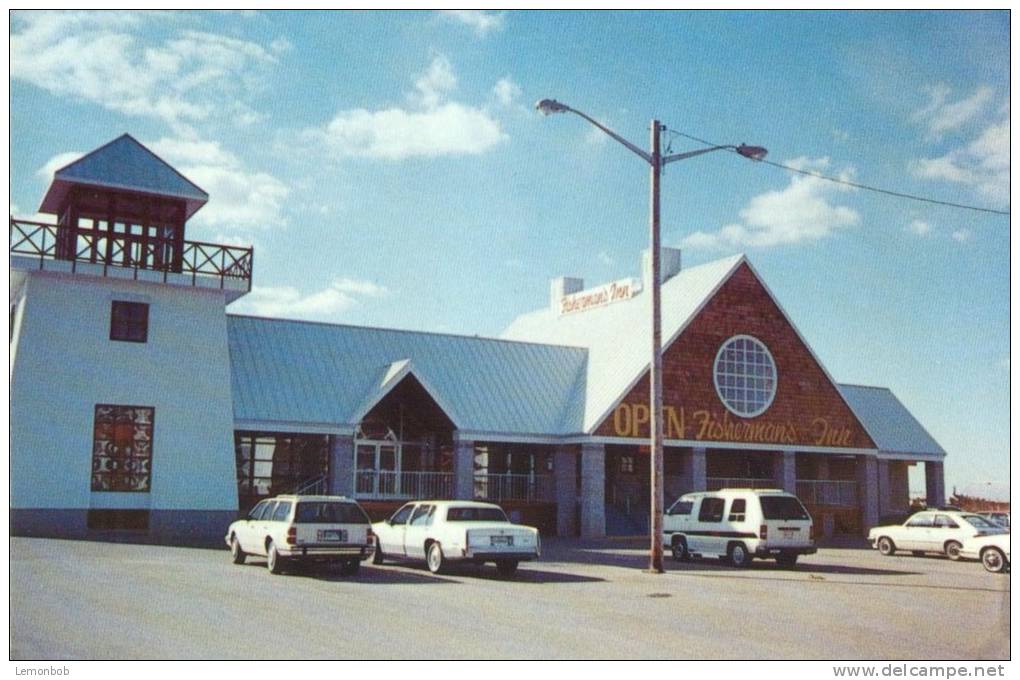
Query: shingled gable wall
[[807, 409]]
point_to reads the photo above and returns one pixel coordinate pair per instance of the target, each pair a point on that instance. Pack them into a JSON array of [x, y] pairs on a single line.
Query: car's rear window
[[783, 507], [981, 522], [327, 512], [475, 515]]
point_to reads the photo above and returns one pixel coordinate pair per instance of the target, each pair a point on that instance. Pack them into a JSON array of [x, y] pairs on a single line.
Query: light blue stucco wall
[[66, 364]]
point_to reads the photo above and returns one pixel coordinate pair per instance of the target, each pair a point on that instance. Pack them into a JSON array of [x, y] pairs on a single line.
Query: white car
[[941, 531], [739, 525], [289, 529], [1000, 518], [441, 532], [993, 551]]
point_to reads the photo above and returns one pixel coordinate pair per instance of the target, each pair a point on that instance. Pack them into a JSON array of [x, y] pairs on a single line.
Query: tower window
[[129, 321], [122, 448]]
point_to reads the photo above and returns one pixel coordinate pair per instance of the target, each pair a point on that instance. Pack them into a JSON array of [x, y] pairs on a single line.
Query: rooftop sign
[[601, 296]]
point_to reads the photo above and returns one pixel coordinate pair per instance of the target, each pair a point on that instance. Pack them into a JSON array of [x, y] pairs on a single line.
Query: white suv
[[303, 529], [739, 525]]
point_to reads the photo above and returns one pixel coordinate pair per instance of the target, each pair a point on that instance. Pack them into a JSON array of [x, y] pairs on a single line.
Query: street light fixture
[[656, 160]]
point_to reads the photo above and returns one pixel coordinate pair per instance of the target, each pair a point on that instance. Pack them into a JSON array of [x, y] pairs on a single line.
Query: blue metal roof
[[892, 427], [305, 372], [124, 163]]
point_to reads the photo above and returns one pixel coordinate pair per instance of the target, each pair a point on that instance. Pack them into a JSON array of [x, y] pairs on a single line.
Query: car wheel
[[886, 546], [994, 560], [236, 554], [680, 553], [739, 557], [273, 560], [953, 550], [506, 567], [378, 557], [435, 558], [787, 560], [350, 568]]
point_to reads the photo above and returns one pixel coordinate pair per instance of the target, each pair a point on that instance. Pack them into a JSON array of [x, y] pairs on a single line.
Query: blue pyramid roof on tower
[[124, 163]]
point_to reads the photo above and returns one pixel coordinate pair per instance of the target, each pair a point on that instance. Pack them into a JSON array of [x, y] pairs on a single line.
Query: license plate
[[788, 531], [332, 535], [502, 540]]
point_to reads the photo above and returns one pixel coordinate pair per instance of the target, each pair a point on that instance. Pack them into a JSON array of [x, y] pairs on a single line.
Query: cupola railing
[[174, 259]]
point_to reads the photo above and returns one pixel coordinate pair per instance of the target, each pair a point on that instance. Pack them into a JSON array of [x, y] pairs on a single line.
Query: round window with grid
[[745, 376]]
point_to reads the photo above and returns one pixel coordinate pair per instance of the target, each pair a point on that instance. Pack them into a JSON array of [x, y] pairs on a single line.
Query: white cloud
[[801, 212], [437, 82], [360, 287], [482, 22], [325, 304], [919, 227], [605, 258], [98, 57], [239, 198], [60, 160], [982, 164], [431, 127], [961, 235], [941, 115], [506, 91]]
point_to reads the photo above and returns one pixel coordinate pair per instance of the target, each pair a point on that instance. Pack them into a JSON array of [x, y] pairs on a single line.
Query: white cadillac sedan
[[993, 551], [941, 531], [442, 532]]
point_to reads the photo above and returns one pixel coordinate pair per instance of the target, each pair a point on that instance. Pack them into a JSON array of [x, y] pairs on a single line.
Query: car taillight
[[292, 536], [370, 538], [811, 532], [763, 532]]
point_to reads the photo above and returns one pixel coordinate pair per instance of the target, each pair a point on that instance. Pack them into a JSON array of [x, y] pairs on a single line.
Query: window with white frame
[[745, 376]]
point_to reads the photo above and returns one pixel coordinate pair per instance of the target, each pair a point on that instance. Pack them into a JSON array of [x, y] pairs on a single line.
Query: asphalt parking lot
[[88, 600]]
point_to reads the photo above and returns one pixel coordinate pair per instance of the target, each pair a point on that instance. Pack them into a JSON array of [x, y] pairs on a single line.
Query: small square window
[[129, 321]]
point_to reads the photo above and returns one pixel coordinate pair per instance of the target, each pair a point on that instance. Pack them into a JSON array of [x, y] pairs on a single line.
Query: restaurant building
[[140, 407]]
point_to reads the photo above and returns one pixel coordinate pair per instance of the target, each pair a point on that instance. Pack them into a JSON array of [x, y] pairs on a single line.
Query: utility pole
[[655, 372]]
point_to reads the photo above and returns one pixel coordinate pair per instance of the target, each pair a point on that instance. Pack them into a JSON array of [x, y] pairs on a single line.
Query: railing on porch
[[827, 492], [511, 487], [383, 484], [175, 259], [716, 483]]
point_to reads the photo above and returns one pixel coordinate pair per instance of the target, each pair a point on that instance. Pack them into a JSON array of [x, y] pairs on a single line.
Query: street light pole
[[655, 372], [656, 160]]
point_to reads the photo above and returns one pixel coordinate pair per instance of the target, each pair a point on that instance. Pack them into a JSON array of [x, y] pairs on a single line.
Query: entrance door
[[378, 469]]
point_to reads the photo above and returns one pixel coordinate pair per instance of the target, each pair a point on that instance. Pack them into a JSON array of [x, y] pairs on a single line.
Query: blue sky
[[390, 169]]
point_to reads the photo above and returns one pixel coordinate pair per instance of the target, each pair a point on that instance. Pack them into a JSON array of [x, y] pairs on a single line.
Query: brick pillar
[[565, 473], [341, 465], [699, 469], [593, 490], [786, 471], [867, 491], [935, 484], [463, 468]]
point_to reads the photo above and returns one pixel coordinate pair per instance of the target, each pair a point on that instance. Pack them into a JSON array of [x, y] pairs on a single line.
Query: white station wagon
[[941, 531], [441, 532], [303, 529]]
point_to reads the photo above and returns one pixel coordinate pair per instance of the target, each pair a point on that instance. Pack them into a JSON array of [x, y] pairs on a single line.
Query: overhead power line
[[856, 185]]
